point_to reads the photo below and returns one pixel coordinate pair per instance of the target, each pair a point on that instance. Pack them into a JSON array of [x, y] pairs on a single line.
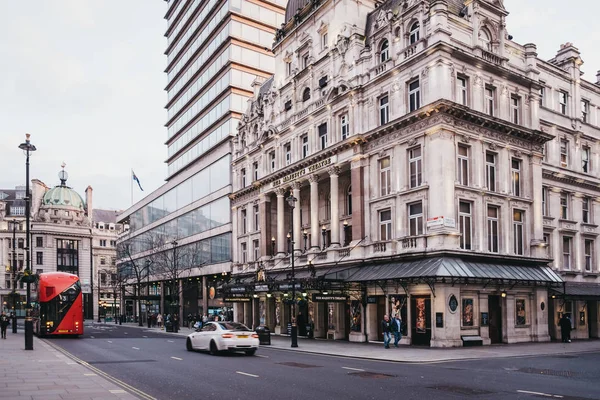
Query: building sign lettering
[[308, 170]]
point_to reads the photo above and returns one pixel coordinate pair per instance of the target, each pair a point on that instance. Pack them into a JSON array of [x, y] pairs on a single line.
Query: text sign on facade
[[236, 299], [441, 221], [329, 297], [305, 171]]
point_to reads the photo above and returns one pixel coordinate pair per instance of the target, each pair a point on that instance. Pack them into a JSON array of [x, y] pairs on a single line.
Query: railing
[[491, 57], [412, 243], [380, 247], [410, 51], [343, 253], [302, 113], [319, 103], [380, 68]]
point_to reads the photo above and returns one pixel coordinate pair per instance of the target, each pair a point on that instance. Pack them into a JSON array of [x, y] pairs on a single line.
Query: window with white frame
[[585, 109], [415, 166], [244, 221], [385, 180], [493, 216], [562, 102], [542, 93], [462, 171], [304, 146], [515, 109], [305, 61], [485, 39], [545, 201], [344, 126], [244, 253], [518, 238], [384, 110], [567, 241], [414, 33], [384, 51], [564, 205], [464, 220], [588, 247], [256, 217], [288, 68], [256, 249], [516, 176], [272, 160], [415, 219], [324, 43], [288, 153], [243, 175], [585, 159], [564, 153], [585, 210], [255, 170], [489, 97], [490, 171], [414, 96], [462, 90], [323, 135], [548, 243], [385, 225]]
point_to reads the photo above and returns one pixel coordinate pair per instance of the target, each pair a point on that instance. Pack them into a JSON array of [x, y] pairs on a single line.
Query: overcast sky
[[85, 78]]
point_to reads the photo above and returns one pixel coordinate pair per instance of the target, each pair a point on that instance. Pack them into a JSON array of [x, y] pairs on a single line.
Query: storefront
[[580, 301]]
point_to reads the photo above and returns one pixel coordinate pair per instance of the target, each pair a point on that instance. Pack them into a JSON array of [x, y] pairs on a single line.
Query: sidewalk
[[46, 374], [414, 354]]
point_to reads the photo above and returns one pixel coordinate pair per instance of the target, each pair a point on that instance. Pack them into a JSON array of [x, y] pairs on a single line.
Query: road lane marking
[[170, 341], [177, 358], [117, 391], [136, 348], [261, 356], [145, 336], [540, 394], [246, 374], [126, 333], [89, 374], [92, 337], [109, 341], [354, 369]]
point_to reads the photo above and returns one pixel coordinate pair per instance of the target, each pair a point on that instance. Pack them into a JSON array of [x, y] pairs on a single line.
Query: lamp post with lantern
[[292, 203]]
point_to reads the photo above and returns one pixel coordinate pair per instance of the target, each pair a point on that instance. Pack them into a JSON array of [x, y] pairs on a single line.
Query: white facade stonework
[[424, 148]]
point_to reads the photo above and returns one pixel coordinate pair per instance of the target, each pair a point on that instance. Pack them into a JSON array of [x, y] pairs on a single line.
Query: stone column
[[297, 226], [335, 206], [576, 215], [281, 238], [537, 235], [477, 101], [162, 299], [556, 245], [314, 211], [264, 219], [358, 222]]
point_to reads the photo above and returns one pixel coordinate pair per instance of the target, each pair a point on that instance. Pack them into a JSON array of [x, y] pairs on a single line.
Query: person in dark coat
[[565, 328], [386, 328], [301, 324], [4, 321]]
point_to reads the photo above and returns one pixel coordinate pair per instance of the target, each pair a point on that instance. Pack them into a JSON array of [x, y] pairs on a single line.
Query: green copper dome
[[63, 196]]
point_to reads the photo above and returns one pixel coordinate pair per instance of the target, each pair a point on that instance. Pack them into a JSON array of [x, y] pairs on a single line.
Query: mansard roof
[[292, 8]]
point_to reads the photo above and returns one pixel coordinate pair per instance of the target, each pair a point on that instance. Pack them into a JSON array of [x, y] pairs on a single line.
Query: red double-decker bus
[[60, 305]]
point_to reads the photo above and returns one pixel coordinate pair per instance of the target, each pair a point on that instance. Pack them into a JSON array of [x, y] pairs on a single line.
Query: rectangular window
[[323, 40], [39, 241], [256, 218], [102, 261], [589, 254], [585, 210], [305, 61], [518, 239], [323, 135], [243, 177], [103, 243], [415, 219], [562, 102], [585, 109], [39, 258], [244, 253], [256, 249], [548, 242], [490, 171], [544, 201], [243, 218], [564, 153], [255, 171], [344, 126], [384, 110], [489, 100], [567, 252], [272, 160], [492, 228], [288, 68], [304, 146], [462, 90], [520, 312], [288, 153], [542, 93], [67, 257], [516, 177], [385, 225], [515, 109], [414, 96], [464, 219], [385, 180], [463, 165], [585, 159], [415, 166], [564, 205]]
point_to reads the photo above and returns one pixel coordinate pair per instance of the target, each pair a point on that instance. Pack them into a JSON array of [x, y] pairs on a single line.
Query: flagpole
[[131, 181]]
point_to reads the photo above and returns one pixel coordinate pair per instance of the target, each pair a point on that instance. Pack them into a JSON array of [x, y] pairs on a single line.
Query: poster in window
[[582, 318], [421, 328], [467, 312], [262, 312], [521, 316], [355, 310]]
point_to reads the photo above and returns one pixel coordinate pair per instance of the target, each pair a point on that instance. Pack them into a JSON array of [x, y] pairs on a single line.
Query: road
[[159, 365]]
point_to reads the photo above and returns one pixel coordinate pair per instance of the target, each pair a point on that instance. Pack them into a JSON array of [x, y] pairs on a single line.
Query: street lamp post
[[324, 234], [148, 263], [292, 203], [14, 276], [27, 148], [175, 319], [305, 234], [273, 246], [345, 233]]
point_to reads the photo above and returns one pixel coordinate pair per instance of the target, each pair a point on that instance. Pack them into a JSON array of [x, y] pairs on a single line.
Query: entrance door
[[380, 313], [495, 315], [592, 311], [421, 320]]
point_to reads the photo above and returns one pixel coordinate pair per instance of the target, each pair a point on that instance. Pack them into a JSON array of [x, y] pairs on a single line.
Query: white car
[[223, 336]]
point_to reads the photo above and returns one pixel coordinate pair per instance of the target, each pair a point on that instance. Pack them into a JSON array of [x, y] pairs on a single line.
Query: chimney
[[88, 202], [598, 78], [256, 84], [567, 56]]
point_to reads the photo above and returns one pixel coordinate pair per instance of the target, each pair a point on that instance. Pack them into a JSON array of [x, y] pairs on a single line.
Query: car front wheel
[[188, 345], [250, 352]]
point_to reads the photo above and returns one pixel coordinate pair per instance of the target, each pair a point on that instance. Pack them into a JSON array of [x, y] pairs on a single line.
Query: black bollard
[[28, 333], [14, 323]]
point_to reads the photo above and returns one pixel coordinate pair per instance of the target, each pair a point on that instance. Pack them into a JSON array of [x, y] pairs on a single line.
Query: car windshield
[[233, 326]]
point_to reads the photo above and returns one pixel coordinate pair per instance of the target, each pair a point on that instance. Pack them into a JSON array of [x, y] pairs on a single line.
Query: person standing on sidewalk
[[386, 328], [396, 329], [565, 328], [159, 320], [4, 321]]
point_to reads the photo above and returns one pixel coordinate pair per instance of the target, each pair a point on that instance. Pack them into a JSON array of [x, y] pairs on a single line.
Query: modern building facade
[[215, 51], [424, 164]]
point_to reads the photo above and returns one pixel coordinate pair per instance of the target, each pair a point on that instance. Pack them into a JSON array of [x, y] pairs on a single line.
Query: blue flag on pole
[[135, 178]]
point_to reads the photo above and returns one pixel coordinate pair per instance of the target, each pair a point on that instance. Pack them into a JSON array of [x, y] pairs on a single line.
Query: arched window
[[384, 51], [306, 94], [485, 39], [414, 33], [349, 201]]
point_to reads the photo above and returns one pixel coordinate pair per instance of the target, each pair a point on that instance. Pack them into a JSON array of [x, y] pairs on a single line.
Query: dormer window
[[414, 33], [384, 51], [485, 39], [306, 94]]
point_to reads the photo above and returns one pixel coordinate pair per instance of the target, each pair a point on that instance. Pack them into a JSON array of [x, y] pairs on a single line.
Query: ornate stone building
[[441, 171]]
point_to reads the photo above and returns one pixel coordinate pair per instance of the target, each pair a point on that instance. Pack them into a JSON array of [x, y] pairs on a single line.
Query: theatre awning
[[579, 290], [452, 269]]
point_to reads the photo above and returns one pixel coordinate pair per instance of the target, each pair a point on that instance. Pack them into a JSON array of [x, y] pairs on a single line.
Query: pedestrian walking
[[386, 329], [4, 321], [159, 321], [204, 318], [565, 328], [396, 329]]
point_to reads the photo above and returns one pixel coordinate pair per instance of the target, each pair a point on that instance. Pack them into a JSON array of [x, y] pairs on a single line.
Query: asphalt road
[[159, 365]]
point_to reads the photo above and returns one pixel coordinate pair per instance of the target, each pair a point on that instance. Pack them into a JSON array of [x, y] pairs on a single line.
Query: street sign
[[329, 297]]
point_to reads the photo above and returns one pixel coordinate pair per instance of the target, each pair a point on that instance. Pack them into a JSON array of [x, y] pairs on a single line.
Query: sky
[[86, 79]]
